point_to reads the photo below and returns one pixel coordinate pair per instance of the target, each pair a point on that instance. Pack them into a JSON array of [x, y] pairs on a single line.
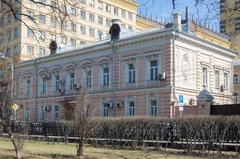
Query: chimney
[[115, 29], [177, 21], [53, 47]]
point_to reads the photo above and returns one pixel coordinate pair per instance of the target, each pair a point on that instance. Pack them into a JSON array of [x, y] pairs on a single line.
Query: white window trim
[[53, 112], [208, 75], [84, 77], [128, 99], [102, 102], [100, 80], [133, 61], [148, 99]]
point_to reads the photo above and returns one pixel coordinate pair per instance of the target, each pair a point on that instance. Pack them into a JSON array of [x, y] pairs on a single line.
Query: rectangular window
[[106, 76], [64, 8], [26, 114], [8, 52], [30, 33], [217, 79], [91, 3], [16, 33], [63, 24], [235, 79], [91, 32], [108, 8], [130, 17], [89, 78], [53, 5], [204, 76], [28, 87], [115, 11], [63, 39], [16, 92], [131, 108], [42, 19], [44, 87], [73, 27], [225, 80], [100, 20], [83, 30], [105, 111], [235, 96], [123, 13], [91, 17], [43, 2], [30, 49], [83, 1], [16, 49], [56, 83], [53, 22], [55, 112], [73, 11], [131, 73], [108, 22], [82, 14], [42, 35], [100, 5], [100, 35], [52, 37], [153, 107], [71, 80], [153, 70], [9, 35], [73, 42]]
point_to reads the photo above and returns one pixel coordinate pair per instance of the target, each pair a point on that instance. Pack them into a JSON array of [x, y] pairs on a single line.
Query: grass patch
[[44, 150]]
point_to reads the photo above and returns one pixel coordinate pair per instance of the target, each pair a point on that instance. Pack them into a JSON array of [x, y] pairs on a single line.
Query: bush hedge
[[210, 133]]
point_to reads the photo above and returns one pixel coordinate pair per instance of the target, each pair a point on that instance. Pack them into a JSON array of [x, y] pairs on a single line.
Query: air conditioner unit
[[48, 76], [162, 76], [77, 86], [46, 108], [62, 82], [61, 90]]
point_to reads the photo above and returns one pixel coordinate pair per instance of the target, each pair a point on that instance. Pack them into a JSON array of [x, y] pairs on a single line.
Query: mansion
[[141, 74]]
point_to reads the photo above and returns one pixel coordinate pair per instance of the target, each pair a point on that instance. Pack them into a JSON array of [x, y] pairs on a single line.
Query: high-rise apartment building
[[68, 22], [230, 21]]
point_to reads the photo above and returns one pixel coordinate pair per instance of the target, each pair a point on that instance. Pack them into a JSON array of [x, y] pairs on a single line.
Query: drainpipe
[[36, 83], [112, 83], [175, 34]]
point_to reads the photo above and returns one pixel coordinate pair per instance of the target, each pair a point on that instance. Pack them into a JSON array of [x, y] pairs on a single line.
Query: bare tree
[[7, 112], [79, 112]]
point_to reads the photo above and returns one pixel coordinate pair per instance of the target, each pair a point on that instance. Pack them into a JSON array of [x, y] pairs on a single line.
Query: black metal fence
[[197, 133]]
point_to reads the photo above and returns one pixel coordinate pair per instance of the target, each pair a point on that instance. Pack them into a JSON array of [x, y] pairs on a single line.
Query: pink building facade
[[138, 75]]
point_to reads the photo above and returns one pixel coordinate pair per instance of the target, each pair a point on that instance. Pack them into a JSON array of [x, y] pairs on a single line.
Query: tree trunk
[[18, 155], [16, 148], [80, 148]]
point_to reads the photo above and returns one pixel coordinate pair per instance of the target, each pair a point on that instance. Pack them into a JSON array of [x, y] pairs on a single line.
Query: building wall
[[183, 54], [32, 46], [230, 21]]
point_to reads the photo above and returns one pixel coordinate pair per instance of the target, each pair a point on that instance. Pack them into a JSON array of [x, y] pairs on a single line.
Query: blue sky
[[206, 12]]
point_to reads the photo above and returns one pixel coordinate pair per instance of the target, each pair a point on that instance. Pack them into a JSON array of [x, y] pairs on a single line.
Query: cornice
[[190, 39], [139, 38]]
